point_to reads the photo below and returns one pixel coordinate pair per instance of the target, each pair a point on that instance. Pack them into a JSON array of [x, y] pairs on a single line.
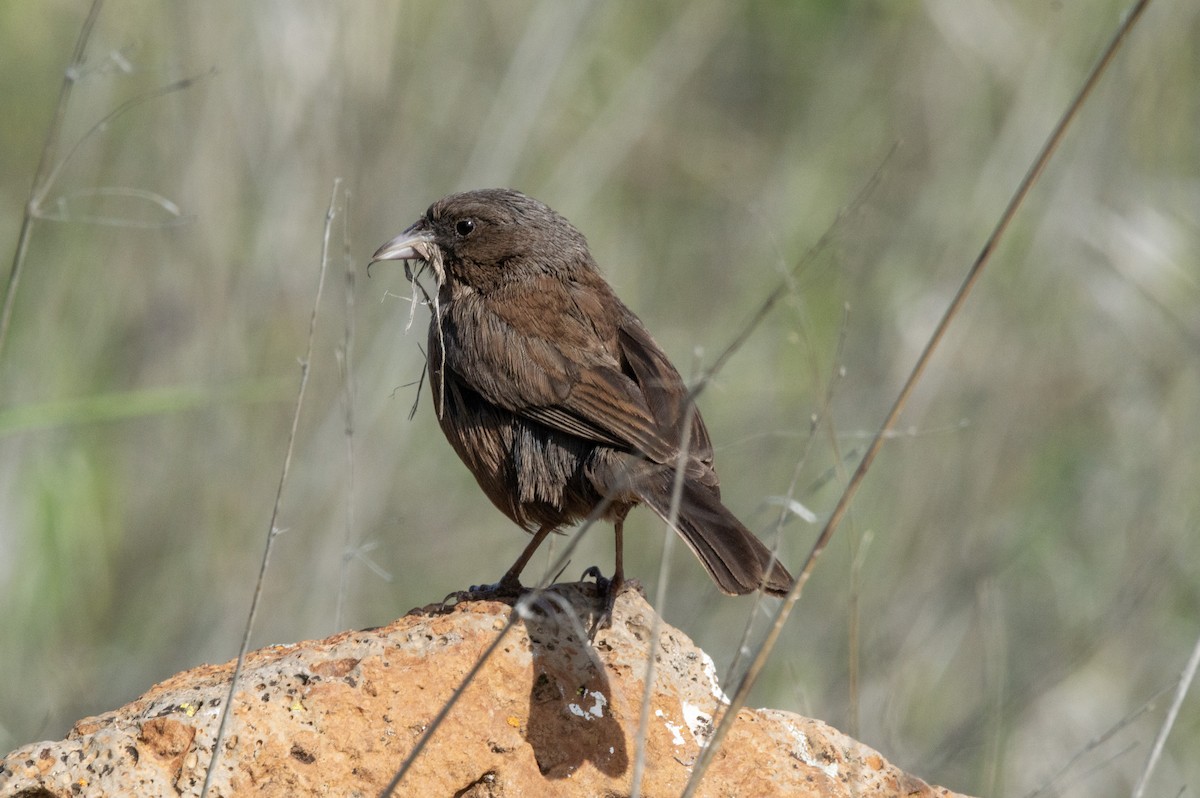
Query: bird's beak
[[415, 243]]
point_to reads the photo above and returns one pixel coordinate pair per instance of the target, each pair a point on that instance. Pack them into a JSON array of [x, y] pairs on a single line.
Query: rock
[[547, 714]]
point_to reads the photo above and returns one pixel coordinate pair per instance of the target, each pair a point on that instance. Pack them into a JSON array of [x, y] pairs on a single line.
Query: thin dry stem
[[1164, 731], [104, 122], [226, 709], [822, 413], [1053, 782], [952, 311], [660, 599], [856, 553], [347, 361]]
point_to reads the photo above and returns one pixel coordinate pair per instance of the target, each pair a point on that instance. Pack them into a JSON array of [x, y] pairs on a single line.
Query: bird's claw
[[505, 588], [602, 582], [608, 589]]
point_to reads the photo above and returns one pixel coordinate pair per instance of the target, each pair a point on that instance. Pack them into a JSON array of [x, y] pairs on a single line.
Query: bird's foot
[[602, 582], [608, 590], [508, 587]]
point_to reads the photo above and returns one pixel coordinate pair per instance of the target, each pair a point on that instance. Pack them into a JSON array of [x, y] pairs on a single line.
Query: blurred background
[[1020, 574]]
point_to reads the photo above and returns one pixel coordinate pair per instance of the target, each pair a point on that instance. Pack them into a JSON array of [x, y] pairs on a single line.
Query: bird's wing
[[611, 386], [666, 396]]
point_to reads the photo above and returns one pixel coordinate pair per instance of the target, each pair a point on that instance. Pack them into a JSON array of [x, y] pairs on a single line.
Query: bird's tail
[[736, 560]]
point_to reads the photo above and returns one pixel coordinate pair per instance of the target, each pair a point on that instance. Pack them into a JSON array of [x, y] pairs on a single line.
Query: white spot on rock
[[699, 722], [710, 670], [595, 711]]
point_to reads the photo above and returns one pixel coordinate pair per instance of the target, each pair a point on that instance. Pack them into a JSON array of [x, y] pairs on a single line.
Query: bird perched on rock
[[555, 395]]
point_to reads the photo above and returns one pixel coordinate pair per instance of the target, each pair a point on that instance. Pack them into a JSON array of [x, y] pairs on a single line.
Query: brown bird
[[554, 394]]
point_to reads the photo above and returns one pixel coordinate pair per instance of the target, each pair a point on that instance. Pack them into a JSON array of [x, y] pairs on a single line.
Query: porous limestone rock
[[548, 714]]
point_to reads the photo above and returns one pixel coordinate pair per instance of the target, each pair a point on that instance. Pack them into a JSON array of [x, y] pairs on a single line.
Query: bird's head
[[478, 240]]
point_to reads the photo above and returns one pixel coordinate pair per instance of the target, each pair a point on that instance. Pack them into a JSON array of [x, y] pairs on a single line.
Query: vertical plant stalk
[[45, 168], [823, 416], [347, 360], [1181, 691], [660, 600], [973, 274], [272, 532]]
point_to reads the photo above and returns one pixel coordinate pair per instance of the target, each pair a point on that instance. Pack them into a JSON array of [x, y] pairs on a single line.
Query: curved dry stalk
[[174, 214], [41, 191], [42, 175], [50, 166]]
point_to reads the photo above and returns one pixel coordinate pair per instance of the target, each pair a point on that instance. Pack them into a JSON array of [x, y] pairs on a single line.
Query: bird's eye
[[464, 227]]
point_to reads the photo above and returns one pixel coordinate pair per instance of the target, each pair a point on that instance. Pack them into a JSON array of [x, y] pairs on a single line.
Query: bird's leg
[[512, 577], [618, 578], [610, 588], [510, 583]]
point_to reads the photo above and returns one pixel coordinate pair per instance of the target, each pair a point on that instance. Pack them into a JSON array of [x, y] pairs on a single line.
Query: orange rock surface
[[548, 714]]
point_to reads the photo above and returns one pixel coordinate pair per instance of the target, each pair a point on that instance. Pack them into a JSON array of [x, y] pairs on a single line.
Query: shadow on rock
[[570, 721]]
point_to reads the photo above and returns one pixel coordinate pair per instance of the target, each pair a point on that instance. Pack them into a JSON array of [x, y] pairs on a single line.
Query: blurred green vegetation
[[1031, 576]]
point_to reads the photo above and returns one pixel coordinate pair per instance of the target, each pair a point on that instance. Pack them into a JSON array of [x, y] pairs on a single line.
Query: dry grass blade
[[972, 277], [43, 188], [226, 709]]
